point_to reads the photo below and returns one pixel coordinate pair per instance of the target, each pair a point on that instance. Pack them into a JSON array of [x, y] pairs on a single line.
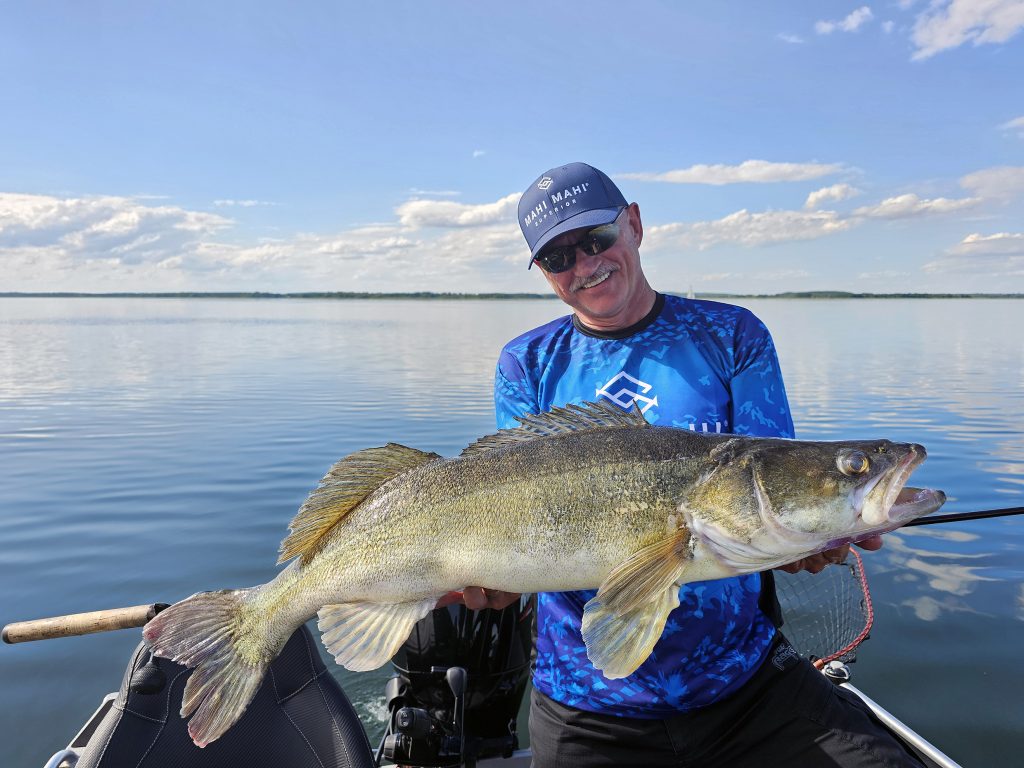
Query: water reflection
[[176, 438]]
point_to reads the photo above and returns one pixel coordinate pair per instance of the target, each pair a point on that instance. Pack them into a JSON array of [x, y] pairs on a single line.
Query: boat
[[453, 699]]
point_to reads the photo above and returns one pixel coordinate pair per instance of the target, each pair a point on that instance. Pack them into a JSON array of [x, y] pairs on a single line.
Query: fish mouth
[[912, 503], [909, 504], [898, 503]]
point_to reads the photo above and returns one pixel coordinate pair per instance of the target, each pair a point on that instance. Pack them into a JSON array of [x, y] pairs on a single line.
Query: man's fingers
[[871, 543], [475, 598], [478, 598], [449, 599]]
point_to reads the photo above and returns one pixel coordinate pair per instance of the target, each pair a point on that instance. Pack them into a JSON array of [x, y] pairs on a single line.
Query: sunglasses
[[559, 258]]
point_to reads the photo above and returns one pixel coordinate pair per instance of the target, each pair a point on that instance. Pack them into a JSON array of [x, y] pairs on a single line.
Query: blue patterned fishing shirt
[[700, 365]]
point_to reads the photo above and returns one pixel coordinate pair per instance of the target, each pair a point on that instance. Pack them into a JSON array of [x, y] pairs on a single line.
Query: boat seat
[[299, 717]]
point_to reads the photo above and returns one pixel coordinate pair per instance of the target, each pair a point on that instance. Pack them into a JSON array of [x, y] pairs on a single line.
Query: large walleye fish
[[579, 498]]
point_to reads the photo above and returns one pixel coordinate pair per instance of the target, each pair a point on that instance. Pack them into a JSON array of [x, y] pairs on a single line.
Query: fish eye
[[853, 463]]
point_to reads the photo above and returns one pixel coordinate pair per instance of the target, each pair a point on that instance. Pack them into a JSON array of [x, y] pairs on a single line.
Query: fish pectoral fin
[[624, 620], [618, 643], [646, 573], [341, 490], [364, 636]]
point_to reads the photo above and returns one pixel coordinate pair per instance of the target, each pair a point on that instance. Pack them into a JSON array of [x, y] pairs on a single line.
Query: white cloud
[[910, 205], [415, 192], [1009, 125], [888, 27], [837, 192], [748, 229], [97, 227], [851, 23], [241, 203], [479, 153], [998, 254], [753, 277], [791, 39], [951, 23], [885, 274], [444, 213], [115, 243], [1014, 126], [749, 171], [1000, 183], [999, 244]]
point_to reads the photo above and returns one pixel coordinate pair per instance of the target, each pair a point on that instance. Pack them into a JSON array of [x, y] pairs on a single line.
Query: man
[[722, 687]]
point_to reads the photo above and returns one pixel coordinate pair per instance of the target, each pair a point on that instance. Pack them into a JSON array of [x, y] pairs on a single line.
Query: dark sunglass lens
[[560, 258], [602, 238], [555, 260]]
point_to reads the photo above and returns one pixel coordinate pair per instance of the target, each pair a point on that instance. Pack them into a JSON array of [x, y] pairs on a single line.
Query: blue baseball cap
[[566, 198]]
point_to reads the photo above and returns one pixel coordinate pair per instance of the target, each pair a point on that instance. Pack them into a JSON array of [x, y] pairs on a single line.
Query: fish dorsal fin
[[345, 485], [558, 421]]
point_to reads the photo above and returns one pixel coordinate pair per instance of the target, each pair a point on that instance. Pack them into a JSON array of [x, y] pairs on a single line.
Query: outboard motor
[[299, 717], [460, 681]]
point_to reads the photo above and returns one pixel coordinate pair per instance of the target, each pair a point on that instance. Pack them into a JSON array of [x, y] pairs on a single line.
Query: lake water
[[152, 448]]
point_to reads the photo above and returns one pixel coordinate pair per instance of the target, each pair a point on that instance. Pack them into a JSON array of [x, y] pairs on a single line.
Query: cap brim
[[592, 218]]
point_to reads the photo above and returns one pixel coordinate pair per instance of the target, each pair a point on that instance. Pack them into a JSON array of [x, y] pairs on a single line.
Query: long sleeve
[[513, 394], [759, 404]]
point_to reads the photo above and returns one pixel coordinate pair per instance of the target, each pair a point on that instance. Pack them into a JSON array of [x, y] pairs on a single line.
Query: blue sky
[[382, 146]]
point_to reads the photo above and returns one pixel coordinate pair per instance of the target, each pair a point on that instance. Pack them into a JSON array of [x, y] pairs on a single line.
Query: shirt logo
[[623, 396], [785, 656], [544, 183]]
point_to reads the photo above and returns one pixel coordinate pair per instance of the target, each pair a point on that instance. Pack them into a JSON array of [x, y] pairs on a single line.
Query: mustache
[[602, 271]]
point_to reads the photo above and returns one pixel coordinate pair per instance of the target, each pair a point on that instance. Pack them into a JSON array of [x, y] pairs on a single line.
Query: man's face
[[607, 291]]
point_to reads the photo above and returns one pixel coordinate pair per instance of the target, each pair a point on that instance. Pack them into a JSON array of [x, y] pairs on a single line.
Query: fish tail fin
[[209, 633]]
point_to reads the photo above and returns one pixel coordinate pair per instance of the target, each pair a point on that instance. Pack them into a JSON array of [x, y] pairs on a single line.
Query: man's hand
[[816, 563], [478, 598]]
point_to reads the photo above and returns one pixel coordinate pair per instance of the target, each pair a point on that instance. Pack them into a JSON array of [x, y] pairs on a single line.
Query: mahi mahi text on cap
[[559, 200]]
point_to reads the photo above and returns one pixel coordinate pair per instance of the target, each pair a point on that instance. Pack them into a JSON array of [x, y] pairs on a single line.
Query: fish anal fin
[[557, 421], [364, 636], [622, 623], [341, 490]]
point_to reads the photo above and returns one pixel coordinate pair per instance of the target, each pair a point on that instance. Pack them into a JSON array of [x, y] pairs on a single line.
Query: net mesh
[[827, 615]]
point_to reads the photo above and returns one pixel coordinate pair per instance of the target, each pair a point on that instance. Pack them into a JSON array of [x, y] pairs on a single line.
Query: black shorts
[[788, 715]]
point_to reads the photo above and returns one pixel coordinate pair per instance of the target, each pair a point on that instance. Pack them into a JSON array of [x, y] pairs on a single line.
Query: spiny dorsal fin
[[344, 486], [558, 421]]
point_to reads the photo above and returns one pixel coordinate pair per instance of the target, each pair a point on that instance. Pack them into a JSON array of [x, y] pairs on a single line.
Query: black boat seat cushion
[[299, 717]]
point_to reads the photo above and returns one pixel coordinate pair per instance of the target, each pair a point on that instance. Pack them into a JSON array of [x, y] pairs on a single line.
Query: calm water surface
[[153, 448]]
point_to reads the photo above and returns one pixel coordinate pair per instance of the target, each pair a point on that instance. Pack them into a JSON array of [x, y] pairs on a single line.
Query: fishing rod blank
[[957, 517]]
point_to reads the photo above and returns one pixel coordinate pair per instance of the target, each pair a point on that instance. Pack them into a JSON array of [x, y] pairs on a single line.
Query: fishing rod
[[957, 517]]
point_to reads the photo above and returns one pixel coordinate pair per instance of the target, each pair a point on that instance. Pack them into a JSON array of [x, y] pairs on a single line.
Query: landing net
[[827, 615]]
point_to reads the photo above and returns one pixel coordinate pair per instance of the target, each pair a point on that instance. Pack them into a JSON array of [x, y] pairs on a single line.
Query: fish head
[[771, 501]]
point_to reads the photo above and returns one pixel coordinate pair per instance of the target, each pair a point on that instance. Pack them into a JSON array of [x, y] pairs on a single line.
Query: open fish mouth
[[909, 504], [882, 503], [912, 503]]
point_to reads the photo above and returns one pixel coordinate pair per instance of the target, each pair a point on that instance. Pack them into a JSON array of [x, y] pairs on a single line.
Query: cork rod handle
[[81, 623]]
